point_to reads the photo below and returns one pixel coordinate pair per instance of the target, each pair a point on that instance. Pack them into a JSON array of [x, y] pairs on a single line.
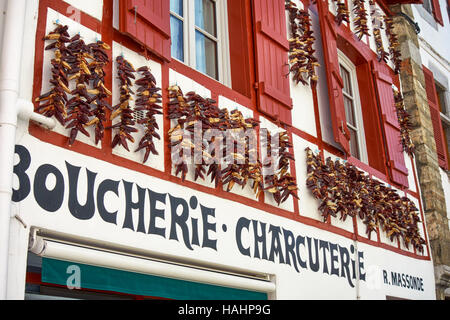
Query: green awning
[[99, 278]]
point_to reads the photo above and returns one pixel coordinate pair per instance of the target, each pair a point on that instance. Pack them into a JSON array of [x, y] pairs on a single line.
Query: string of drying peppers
[[125, 72], [301, 53], [203, 112], [79, 108], [377, 24], [342, 13], [191, 108], [360, 20], [344, 189], [188, 110], [241, 169], [393, 44], [99, 90], [71, 63], [404, 122], [53, 102], [178, 110], [277, 179], [149, 100]]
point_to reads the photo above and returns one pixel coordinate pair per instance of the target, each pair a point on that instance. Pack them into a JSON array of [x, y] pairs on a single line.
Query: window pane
[[354, 147], [427, 6], [206, 51], [349, 114], [205, 16], [177, 7], [176, 34], [346, 79]]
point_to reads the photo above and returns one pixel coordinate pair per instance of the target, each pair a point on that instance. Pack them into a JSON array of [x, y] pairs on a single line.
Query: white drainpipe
[[10, 108], [25, 112]]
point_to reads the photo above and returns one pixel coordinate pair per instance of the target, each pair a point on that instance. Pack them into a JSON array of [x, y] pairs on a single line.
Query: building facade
[[121, 180]]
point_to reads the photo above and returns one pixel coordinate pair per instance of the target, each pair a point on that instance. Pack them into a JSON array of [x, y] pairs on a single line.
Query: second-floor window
[[353, 112], [434, 9], [442, 94], [437, 101], [197, 36]]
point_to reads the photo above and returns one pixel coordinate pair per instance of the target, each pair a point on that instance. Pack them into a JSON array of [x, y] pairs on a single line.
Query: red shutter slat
[[271, 47], [148, 22], [385, 96], [334, 80], [435, 114], [437, 12]]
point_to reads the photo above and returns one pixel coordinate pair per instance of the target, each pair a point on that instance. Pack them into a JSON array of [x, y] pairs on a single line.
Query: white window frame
[[360, 135], [223, 46]]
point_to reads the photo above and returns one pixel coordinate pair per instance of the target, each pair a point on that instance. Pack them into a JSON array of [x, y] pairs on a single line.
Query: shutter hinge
[[135, 13], [256, 85], [344, 132]]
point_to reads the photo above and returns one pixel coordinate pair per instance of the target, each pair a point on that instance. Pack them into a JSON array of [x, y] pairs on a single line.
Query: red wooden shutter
[[437, 12], [385, 96], [435, 114], [239, 47], [271, 45], [334, 80], [148, 22]]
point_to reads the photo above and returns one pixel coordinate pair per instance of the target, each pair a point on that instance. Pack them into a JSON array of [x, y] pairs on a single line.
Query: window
[[433, 8], [198, 30], [442, 94], [428, 6], [352, 105], [437, 104], [378, 133]]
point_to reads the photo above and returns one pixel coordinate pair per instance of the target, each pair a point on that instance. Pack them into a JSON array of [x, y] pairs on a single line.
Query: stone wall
[[413, 86]]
